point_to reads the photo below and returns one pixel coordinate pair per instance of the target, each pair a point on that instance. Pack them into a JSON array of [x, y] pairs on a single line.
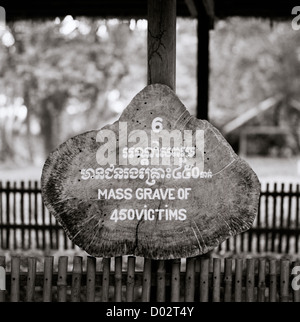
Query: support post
[[162, 42], [162, 57], [203, 64]]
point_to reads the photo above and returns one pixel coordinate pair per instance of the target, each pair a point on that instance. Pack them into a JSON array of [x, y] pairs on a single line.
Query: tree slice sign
[[157, 183]]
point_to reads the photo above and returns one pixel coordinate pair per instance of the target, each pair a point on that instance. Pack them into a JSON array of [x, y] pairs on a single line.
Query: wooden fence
[[25, 223], [277, 225], [119, 280]]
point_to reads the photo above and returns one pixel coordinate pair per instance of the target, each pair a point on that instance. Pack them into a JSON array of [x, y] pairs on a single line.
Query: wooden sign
[[157, 183]]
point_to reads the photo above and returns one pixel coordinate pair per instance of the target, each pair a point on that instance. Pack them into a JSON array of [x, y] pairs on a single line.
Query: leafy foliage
[[70, 76]]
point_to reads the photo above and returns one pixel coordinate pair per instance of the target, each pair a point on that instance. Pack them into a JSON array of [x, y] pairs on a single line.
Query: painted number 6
[[157, 125]]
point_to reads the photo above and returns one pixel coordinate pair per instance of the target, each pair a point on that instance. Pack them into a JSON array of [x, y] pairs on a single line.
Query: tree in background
[[61, 78], [77, 75], [252, 60], [66, 73]]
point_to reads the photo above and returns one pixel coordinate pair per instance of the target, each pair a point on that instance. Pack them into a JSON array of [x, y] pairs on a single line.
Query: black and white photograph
[[150, 154]]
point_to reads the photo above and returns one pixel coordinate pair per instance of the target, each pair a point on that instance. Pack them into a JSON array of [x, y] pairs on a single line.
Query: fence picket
[[284, 280], [250, 239], [14, 218], [216, 279], [250, 279], [90, 279], [31, 275], [267, 224], [287, 248], [22, 210], [130, 279], [105, 279], [161, 281], [118, 279], [76, 279], [29, 214], [35, 198], [204, 279], [273, 280], [227, 242], [190, 280], [281, 218], [175, 280], [238, 280], [51, 220], [43, 223], [62, 279], [242, 239], [146, 286], [261, 280], [15, 279], [274, 217], [48, 272], [258, 225], [7, 214], [228, 279]]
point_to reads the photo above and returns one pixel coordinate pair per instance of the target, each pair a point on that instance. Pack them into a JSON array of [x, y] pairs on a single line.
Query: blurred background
[[62, 77], [65, 76]]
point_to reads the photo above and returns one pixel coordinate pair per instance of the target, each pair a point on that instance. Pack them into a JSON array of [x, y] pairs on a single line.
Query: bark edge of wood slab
[[217, 207]]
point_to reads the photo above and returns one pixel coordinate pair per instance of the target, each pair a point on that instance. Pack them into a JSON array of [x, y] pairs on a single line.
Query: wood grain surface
[[215, 209]]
